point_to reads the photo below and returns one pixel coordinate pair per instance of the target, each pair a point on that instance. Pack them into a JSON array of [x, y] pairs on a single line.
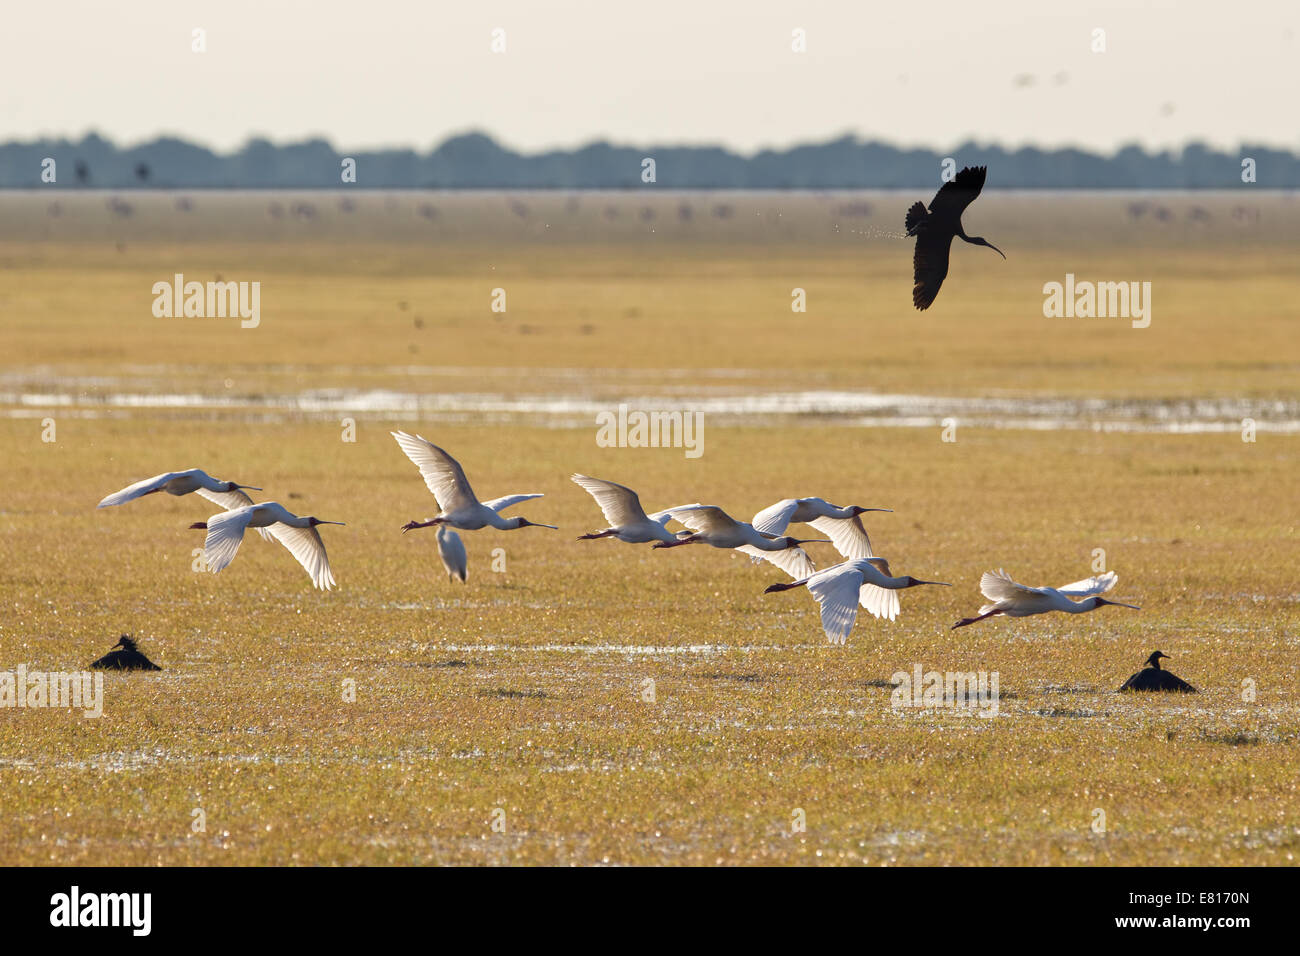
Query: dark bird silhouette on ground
[[934, 231], [126, 659], [1152, 677]]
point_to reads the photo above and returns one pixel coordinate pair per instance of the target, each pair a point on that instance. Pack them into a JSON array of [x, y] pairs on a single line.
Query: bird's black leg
[[971, 620], [412, 525]]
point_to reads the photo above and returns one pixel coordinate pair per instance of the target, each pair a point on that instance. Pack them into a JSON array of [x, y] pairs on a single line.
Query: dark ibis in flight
[[935, 228]]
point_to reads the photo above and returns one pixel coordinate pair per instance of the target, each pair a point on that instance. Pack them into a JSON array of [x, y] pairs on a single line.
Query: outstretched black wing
[[1154, 679], [934, 232], [929, 265], [952, 198], [1171, 682]]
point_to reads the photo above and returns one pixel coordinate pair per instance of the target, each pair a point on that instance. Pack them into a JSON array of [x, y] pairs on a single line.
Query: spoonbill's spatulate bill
[[1019, 600], [711, 525], [125, 657], [1154, 678], [627, 519], [228, 494], [459, 507], [298, 534], [451, 549], [840, 589], [935, 228]]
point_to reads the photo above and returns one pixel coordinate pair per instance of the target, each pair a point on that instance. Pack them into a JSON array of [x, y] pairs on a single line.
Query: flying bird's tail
[[915, 216]]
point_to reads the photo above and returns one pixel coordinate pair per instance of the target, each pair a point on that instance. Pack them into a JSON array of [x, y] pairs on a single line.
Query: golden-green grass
[[524, 690]]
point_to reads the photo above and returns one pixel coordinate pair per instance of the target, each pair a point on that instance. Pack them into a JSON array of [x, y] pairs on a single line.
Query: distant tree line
[[476, 161]]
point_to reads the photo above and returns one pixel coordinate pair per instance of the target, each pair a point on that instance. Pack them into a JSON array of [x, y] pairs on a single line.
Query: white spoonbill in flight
[[844, 527], [627, 519], [228, 494], [711, 525], [452, 551], [841, 588], [1019, 600], [841, 525], [299, 535], [459, 507]]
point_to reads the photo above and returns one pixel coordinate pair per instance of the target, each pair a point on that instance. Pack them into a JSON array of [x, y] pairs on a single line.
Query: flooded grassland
[[589, 702]]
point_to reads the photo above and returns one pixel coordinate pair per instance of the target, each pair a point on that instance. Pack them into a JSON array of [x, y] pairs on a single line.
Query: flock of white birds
[[862, 579]]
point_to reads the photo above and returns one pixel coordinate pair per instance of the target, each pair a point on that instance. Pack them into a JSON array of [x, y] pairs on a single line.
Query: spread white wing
[[451, 549], [669, 514], [850, 539], [619, 504], [230, 500], [131, 492], [793, 561], [847, 535], [306, 546], [501, 504], [1099, 584], [774, 519], [706, 519], [225, 533], [998, 586], [442, 473], [879, 602], [836, 590]]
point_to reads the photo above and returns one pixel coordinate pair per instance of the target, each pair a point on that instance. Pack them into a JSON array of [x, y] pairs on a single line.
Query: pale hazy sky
[[913, 72]]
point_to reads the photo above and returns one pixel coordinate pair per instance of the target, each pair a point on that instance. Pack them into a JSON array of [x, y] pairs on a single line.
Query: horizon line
[[123, 145]]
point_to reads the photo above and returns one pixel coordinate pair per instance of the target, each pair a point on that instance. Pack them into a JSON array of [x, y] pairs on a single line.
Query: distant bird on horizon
[[711, 525], [840, 589], [1020, 600], [628, 521], [455, 560], [934, 231], [1152, 678], [445, 478], [128, 658], [298, 534]]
